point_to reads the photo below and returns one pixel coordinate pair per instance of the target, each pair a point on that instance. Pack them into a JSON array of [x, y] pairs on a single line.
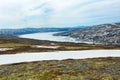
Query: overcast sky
[[57, 13]]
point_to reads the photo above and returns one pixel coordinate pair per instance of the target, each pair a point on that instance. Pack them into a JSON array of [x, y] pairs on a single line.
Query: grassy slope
[[24, 45], [84, 69]]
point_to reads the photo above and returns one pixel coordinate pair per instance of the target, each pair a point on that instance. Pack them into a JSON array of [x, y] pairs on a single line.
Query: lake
[[49, 36]]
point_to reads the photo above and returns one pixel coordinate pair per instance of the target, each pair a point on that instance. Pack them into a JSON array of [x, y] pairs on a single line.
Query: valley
[[59, 40], [26, 43], [52, 56]]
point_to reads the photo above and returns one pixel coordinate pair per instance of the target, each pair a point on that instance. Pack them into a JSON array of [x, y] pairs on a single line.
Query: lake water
[[58, 55], [49, 36]]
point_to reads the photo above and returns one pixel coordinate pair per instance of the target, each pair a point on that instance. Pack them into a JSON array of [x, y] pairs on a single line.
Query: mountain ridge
[[107, 34], [16, 32]]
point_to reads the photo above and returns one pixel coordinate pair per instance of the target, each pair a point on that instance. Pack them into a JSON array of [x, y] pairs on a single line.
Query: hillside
[[107, 34], [15, 32], [20, 45]]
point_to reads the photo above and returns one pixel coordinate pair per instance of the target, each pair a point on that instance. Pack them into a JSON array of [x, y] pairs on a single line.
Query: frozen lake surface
[[59, 55], [49, 36]]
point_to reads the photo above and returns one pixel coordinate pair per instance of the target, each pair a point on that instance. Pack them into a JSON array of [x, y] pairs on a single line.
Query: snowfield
[[58, 55]]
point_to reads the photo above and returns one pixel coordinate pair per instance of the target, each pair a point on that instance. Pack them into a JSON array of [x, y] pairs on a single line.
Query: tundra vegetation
[[21, 45], [70, 69], [77, 69]]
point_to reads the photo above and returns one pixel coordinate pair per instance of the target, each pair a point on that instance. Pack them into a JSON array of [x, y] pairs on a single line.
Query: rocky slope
[[107, 34]]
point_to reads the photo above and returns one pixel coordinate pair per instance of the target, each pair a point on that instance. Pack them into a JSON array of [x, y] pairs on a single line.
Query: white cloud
[[58, 12]]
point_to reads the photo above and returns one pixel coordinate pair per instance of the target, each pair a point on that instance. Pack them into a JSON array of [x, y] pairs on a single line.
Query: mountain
[[15, 32], [106, 34]]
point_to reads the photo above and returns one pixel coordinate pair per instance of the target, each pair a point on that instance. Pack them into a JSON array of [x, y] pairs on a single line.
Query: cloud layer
[[57, 13]]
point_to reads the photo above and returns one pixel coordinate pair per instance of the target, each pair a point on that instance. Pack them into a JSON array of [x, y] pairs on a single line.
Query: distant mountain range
[[107, 34], [16, 32]]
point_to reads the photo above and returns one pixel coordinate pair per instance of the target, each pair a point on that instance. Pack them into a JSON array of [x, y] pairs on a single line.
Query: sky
[[57, 13]]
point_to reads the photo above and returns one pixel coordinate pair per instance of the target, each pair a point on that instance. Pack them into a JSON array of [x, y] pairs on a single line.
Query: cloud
[[57, 13]]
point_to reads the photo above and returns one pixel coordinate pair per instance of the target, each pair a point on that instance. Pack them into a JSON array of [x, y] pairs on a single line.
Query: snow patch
[[38, 46], [58, 55], [5, 49]]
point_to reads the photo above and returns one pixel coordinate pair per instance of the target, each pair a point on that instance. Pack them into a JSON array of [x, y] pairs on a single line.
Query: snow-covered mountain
[[107, 34]]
